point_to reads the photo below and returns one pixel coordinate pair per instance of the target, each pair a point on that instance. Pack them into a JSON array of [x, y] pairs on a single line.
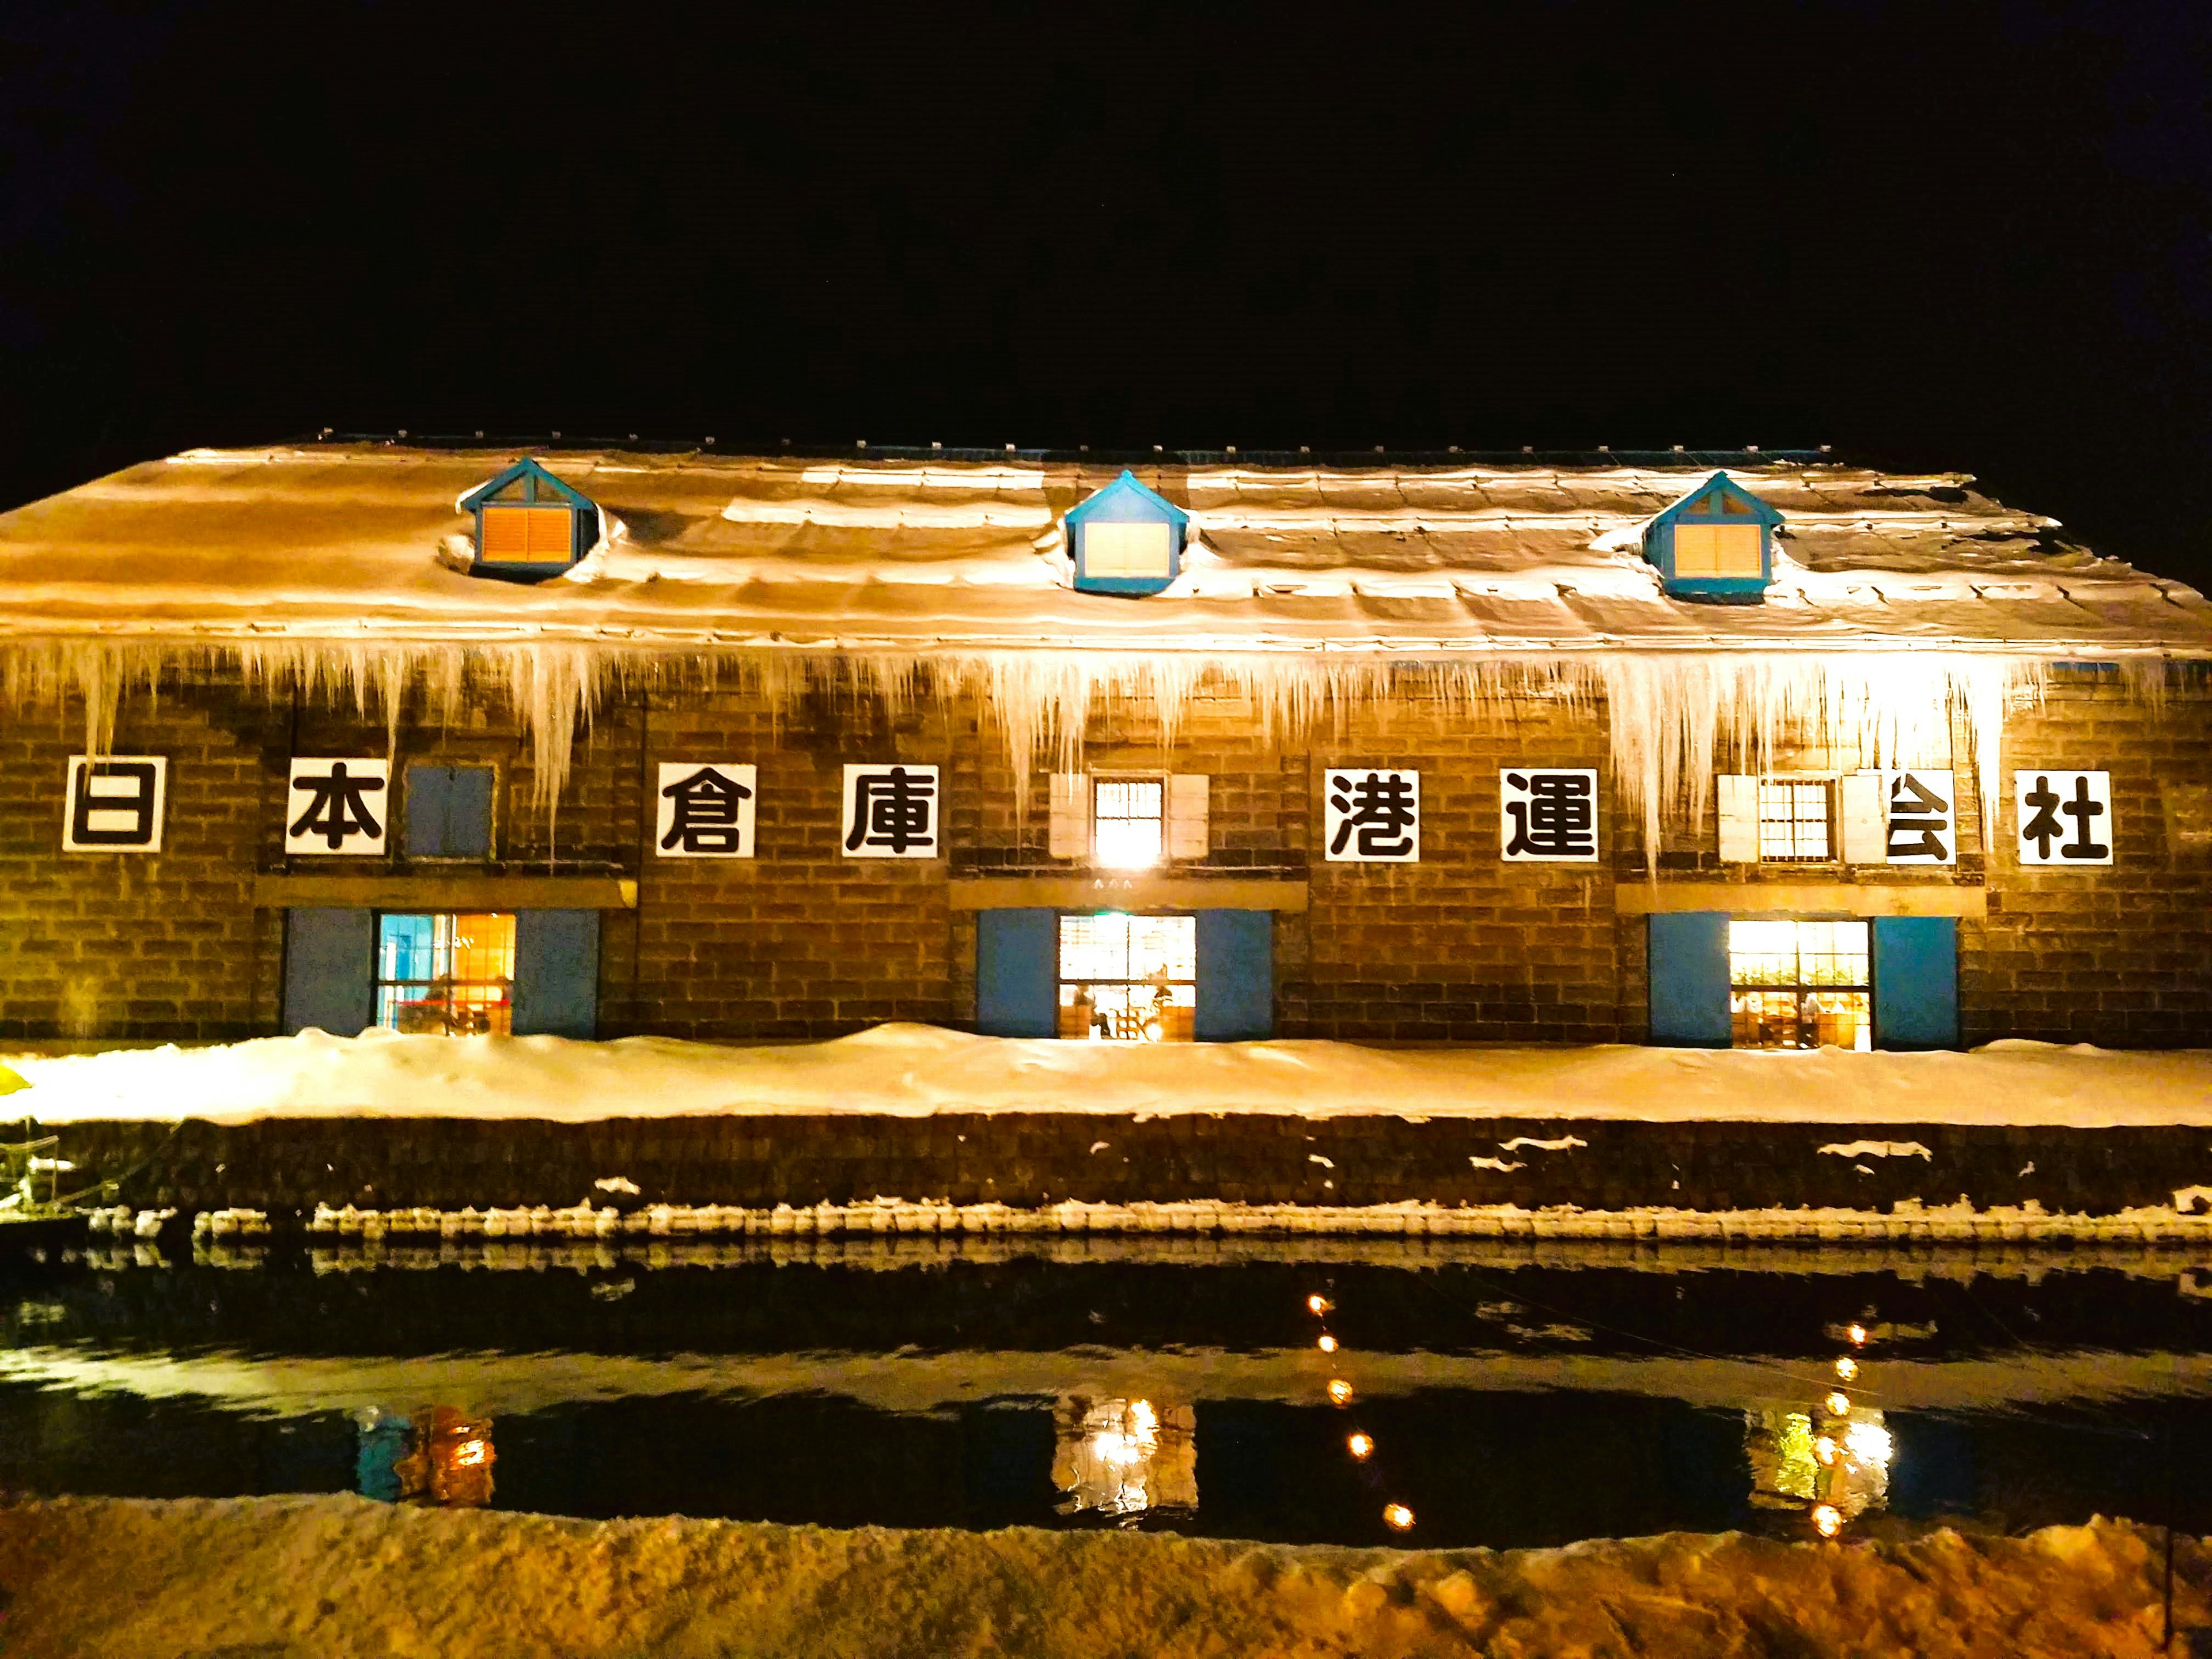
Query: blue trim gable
[[541, 488], [1696, 507], [1127, 500]]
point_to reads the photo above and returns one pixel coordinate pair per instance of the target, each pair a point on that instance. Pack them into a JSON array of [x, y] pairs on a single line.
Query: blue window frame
[[1126, 538], [1716, 543], [530, 525]]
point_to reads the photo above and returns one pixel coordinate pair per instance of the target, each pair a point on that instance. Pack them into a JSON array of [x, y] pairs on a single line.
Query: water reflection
[[436, 1456], [1125, 1457]]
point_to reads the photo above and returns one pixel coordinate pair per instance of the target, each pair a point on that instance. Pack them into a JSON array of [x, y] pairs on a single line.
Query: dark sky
[[1933, 233]]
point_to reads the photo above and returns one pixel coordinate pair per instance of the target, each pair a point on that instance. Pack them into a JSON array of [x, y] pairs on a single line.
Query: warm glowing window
[[534, 535], [1799, 985], [1793, 823], [452, 974], [1718, 549], [1127, 550], [1129, 979], [1128, 823]]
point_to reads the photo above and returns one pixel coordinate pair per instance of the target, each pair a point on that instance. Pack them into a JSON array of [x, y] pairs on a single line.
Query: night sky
[[1933, 235]]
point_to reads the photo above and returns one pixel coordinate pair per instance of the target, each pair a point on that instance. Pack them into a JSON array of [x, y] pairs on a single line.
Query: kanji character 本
[[1917, 818], [1378, 809], [1558, 820], [339, 807], [2082, 809], [893, 808], [707, 814]]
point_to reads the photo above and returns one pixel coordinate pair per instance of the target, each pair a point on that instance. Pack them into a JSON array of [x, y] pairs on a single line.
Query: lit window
[[1718, 549], [1127, 550], [1793, 823], [449, 974], [1799, 985], [1126, 824], [1129, 979]]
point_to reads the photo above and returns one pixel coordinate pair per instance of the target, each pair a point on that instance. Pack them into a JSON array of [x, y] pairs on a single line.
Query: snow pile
[[338, 1577], [913, 1070]]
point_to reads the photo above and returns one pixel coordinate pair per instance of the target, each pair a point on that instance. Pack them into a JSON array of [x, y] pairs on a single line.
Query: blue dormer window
[[530, 525], [1716, 543], [1126, 538]]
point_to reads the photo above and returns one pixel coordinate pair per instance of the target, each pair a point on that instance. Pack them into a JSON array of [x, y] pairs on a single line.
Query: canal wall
[[1031, 1161]]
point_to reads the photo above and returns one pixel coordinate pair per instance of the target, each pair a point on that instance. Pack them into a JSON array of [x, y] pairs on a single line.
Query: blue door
[[1017, 972], [1236, 976], [330, 956], [557, 972]]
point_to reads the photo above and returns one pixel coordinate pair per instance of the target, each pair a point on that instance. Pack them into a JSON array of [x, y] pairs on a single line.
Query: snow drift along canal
[[914, 1071], [340, 1576]]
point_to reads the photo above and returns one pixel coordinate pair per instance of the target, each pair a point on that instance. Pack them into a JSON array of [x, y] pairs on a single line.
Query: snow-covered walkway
[[918, 1069], [338, 1575]]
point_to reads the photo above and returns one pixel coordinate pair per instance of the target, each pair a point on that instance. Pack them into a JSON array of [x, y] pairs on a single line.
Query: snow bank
[[338, 1577], [917, 1070]]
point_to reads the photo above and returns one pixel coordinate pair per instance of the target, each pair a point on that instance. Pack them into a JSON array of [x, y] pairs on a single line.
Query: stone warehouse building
[[1760, 750]]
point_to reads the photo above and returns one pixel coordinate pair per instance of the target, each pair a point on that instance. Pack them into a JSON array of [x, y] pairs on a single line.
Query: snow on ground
[[917, 1070], [337, 1577]]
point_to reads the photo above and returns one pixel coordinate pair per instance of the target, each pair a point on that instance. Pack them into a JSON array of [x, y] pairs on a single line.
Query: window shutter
[[557, 972], [468, 812], [1071, 816], [1235, 976], [1916, 983], [330, 956], [428, 787], [1739, 819], [1187, 801], [1689, 980], [1858, 810], [528, 535], [1017, 972]]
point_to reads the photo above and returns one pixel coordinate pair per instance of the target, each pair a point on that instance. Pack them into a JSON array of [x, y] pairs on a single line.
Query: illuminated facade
[[1756, 749]]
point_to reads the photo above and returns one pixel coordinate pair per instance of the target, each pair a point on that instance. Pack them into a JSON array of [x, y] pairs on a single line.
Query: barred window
[[1130, 979], [1128, 823], [1793, 823]]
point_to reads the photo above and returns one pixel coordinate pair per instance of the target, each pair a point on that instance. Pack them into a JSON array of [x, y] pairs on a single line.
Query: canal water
[[1308, 1390]]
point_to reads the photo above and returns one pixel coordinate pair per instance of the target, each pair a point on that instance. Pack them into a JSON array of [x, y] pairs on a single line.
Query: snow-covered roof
[[355, 542]]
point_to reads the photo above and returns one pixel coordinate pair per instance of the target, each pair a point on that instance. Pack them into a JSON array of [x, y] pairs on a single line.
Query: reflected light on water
[[1340, 1392], [1398, 1516], [1847, 1368], [1360, 1445], [1838, 1404], [1828, 1520], [1318, 1304], [1327, 1343]]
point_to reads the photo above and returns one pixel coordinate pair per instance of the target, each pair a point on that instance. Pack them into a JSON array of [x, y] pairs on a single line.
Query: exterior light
[[1847, 1368], [1828, 1520], [1327, 1343], [1858, 1335], [1359, 1445], [1398, 1516], [1340, 1392], [1838, 1404], [1318, 1304]]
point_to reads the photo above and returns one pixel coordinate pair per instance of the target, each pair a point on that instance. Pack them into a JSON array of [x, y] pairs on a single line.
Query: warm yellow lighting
[[1825, 1450], [1398, 1516], [1838, 1404], [1318, 1304], [470, 1452], [1327, 1343], [1847, 1368], [1339, 1391], [1858, 1335], [1828, 1520], [1869, 1441], [1360, 1445]]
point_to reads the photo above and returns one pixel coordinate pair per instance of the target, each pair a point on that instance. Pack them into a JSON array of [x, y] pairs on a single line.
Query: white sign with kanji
[[1371, 816], [1547, 814], [891, 812], [704, 809], [2063, 817], [338, 806], [115, 804], [1921, 817]]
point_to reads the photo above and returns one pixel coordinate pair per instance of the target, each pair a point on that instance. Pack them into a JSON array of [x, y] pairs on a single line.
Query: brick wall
[[803, 942]]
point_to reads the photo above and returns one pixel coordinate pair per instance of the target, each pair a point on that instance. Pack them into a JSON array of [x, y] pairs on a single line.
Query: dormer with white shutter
[[1126, 538], [1715, 543]]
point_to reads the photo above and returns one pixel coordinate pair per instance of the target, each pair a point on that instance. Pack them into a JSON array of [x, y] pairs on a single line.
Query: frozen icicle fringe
[[1673, 715]]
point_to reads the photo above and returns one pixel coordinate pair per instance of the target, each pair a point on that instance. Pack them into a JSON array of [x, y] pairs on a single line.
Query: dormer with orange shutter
[[530, 525]]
